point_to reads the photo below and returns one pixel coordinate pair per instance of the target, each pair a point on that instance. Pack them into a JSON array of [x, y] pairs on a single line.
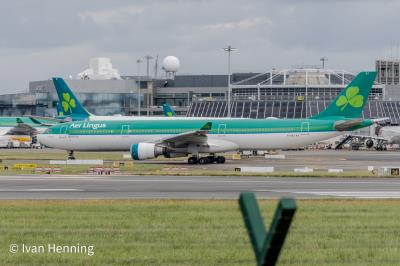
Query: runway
[[178, 187]]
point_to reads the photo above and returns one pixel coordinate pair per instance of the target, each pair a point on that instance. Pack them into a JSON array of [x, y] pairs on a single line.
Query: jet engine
[[143, 151], [369, 143]]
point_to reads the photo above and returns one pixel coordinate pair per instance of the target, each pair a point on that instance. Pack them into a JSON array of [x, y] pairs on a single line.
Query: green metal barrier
[[266, 245]]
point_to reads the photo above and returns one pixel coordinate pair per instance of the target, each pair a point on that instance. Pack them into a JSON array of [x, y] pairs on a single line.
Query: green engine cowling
[[143, 151]]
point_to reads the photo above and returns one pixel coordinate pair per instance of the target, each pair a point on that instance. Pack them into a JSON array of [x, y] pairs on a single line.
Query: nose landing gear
[[71, 155]]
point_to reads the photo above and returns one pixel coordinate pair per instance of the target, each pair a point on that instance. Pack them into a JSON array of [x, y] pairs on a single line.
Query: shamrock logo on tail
[[68, 103], [352, 97]]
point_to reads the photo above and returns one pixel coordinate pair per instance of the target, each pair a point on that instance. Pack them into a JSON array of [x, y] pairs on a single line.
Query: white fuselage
[[262, 141], [139, 118]]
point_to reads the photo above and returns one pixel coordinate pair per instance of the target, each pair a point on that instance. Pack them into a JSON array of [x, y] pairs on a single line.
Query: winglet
[[19, 120], [35, 121], [207, 126]]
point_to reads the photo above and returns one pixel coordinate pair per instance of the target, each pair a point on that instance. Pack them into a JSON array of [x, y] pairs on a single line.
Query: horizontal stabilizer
[[348, 124], [384, 119]]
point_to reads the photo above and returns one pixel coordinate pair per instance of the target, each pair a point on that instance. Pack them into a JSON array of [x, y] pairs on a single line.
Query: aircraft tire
[[211, 159], [220, 159], [192, 160], [203, 160]]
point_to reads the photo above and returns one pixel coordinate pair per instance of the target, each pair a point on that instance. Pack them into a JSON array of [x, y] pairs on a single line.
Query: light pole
[[229, 49], [148, 57], [138, 69], [323, 60]]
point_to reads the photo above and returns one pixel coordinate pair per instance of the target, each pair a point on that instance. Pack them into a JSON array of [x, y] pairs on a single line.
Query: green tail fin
[[68, 102], [351, 101], [168, 111], [59, 109]]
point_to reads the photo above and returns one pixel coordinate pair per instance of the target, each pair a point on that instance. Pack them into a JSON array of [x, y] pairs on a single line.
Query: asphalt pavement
[[192, 187]]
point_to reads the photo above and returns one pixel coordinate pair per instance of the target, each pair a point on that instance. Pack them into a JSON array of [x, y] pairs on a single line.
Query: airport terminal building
[[288, 93]]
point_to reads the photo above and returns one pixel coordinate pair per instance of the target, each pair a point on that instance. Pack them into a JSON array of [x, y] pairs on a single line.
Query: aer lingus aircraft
[[150, 138], [70, 108]]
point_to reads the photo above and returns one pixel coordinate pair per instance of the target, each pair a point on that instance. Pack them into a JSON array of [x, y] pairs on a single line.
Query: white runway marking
[[362, 194], [248, 181], [41, 190], [267, 180], [36, 177], [347, 194]]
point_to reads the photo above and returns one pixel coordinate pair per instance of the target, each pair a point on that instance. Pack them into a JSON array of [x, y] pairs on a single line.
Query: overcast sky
[[41, 39]]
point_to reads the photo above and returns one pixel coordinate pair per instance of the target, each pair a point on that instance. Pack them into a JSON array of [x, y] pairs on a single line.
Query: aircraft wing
[[21, 129], [190, 137], [35, 120]]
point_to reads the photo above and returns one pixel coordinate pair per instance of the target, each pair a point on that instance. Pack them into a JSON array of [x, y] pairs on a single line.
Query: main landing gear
[[206, 160], [71, 155]]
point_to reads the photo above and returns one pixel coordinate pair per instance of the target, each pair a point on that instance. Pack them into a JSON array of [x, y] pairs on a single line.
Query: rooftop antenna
[[170, 65], [391, 52], [156, 68]]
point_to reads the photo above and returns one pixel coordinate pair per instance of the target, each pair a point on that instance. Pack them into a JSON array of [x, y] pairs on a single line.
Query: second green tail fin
[[351, 101], [168, 111]]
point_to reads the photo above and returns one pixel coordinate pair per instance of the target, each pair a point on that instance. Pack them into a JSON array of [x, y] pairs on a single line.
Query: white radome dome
[[171, 63]]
